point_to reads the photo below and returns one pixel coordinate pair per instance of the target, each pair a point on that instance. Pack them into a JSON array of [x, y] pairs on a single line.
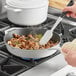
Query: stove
[[11, 65]]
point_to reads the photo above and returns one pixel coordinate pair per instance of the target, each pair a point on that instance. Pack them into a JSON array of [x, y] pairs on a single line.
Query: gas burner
[[8, 66], [47, 24], [1, 36], [3, 26], [13, 65], [72, 32]]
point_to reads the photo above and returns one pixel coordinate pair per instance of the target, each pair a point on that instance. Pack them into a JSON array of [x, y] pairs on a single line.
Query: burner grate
[[12, 65], [8, 66], [15, 25]]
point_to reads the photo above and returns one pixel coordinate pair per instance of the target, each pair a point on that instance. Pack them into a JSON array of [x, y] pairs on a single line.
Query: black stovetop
[[11, 65]]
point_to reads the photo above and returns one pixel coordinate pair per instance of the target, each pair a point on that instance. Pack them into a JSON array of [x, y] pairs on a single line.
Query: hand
[[69, 50], [71, 58], [72, 11]]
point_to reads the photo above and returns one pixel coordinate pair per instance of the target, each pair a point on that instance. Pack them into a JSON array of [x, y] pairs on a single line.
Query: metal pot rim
[[27, 4], [31, 50]]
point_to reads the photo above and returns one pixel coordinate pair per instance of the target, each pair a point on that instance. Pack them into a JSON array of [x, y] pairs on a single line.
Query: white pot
[[27, 15]]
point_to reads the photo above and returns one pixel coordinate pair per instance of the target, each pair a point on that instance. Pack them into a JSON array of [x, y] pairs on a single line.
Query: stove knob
[[71, 74]]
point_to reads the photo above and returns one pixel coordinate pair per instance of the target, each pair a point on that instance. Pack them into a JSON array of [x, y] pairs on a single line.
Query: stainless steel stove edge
[[67, 21]]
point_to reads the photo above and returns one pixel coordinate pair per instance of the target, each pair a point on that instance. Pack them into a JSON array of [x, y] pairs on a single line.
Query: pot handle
[[15, 10], [8, 30]]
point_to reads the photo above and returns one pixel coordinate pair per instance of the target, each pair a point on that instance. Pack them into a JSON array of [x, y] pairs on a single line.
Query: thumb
[[68, 9]]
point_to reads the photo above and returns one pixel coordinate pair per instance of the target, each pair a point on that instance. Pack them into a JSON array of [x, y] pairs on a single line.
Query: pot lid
[[26, 3]]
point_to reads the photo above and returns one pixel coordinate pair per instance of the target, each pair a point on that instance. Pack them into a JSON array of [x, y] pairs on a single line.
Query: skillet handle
[[59, 49], [56, 48], [8, 30]]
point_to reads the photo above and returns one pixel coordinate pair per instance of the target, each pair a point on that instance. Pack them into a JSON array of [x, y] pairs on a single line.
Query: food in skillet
[[29, 42]]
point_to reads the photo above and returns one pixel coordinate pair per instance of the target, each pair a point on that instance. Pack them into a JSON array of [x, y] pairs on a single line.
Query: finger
[[65, 51], [70, 58], [71, 55], [66, 47], [67, 9], [68, 14], [71, 52], [68, 61], [73, 15]]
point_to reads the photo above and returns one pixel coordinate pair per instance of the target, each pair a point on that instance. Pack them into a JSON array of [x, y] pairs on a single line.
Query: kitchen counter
[[47, 68], [66, 71]]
